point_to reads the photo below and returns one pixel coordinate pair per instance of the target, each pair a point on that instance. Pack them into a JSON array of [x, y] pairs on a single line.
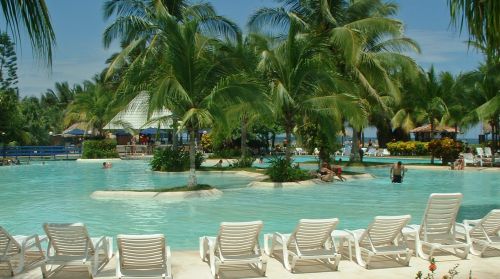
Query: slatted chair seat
[[236, 244], [438, 229], [143, 256], [383, 237], [14, 251], [70, 245], [311, 240]]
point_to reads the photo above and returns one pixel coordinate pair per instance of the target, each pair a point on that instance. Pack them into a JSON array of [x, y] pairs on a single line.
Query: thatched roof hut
[[423, 133]]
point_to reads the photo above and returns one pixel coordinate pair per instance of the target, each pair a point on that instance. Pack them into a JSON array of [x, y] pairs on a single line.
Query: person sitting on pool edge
[[325, 173], [219, 164], [397, 172]]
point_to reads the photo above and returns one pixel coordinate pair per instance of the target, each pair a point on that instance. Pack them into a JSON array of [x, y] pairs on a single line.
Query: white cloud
[[444, 49]]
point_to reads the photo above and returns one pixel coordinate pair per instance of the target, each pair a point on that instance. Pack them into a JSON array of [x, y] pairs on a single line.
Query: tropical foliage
[[281, 170], [308, 69], [99, 149], [174, 159]]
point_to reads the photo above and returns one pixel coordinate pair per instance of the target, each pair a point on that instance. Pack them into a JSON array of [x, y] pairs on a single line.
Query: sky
[[80, 53]]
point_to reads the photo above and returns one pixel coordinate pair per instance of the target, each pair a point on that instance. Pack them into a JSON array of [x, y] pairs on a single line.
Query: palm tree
[[429, 105], [92, 106], [180, 69], [483, 22], [304, 86], [364, 45], [482, 97], [34, 17]]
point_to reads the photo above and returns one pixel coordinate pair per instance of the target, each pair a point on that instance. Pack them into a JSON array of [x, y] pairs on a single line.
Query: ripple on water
[[60, 192]]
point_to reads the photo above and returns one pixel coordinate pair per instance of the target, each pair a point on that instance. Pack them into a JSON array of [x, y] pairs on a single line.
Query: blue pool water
[[59, 192]]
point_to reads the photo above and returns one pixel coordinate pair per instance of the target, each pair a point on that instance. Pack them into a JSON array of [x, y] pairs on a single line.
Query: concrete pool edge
[[310, 182], [155, 195]]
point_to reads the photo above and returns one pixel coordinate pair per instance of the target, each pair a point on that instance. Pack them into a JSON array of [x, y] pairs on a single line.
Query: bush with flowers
[[408, 148], [446, 148]]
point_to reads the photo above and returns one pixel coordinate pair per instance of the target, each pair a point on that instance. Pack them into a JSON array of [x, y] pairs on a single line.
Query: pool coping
[[181, 195]]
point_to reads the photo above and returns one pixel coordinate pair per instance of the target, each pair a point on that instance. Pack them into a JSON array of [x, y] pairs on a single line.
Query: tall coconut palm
[[482, 97], [92, 106], [242, 57], [33, 16], [482, 20], [365, 46], [303, 85], [180, 69]]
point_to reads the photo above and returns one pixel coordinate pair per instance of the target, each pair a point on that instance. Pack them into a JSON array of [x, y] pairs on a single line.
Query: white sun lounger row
[[148, 256]]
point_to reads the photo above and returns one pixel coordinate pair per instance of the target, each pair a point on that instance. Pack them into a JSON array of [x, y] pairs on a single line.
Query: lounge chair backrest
[[69, 239], [238, 238], [383, 230], [312, 233], [8, 245], [440, 215], [487, 152], [141, 251], [480, 151], [490, 225]]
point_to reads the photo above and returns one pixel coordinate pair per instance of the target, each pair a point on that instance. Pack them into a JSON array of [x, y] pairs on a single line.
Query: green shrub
[[174, 159], [281, 170], [408, 148], [99, 149], [446, 148], [245, 162]]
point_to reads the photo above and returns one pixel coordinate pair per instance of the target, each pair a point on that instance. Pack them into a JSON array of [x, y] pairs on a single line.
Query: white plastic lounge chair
[[484, 233], [385, 152], [237, 243], [383, 237], [346, 151], [311, 240], [299, 151], [143, 256], [70, 245], [14, 249], [488, 153], [469, 159], [480, 152], [371, 152], [438, 228]]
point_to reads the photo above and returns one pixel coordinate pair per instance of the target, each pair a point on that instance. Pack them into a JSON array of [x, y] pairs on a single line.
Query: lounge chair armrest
[[469, 223]]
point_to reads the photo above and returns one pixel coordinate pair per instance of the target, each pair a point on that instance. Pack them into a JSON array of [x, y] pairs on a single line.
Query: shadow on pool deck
[[187, 265]]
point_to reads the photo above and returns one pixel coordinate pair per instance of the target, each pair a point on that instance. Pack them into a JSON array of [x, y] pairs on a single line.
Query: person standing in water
[[397, 172]]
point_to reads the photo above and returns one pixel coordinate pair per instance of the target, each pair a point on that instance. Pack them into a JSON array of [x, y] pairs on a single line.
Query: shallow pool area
[[60, 192]]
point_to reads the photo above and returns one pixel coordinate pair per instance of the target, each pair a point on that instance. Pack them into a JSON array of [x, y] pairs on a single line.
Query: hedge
[[408, 148], [99, 149]]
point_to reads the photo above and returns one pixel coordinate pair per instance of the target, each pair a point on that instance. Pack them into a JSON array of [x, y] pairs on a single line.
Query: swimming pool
[[59, 192]]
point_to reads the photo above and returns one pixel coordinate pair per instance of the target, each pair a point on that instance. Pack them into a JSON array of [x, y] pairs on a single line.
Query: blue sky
[[80, 54]]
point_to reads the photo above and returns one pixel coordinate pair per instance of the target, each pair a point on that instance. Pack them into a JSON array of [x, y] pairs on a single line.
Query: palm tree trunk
[[354, 157], [244, 124], [432, 137], [175, 126], [192, 180], [288, 149]]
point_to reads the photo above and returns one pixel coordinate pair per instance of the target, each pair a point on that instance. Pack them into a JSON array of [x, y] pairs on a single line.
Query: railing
[[39, 151]]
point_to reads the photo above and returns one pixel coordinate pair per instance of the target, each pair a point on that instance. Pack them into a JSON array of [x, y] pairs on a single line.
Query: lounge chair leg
[[43, 267]]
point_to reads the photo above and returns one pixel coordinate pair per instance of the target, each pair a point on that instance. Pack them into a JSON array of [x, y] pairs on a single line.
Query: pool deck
[[187, 265]]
